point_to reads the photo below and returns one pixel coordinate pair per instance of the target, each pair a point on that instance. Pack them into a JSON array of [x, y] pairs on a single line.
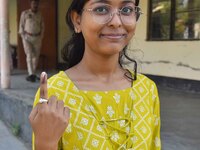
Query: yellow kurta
[[109, 120]]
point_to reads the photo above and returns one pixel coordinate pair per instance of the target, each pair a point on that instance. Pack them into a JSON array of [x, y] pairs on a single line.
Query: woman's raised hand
[[48, 119]]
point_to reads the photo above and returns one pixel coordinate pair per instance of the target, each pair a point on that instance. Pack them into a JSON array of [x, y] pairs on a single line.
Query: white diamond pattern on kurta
[[115, 136], [95, 143], [122, 123], [117, 98], [157, 142], [84, 121], [80, 135], [69, 128], [110, 111], [97, 98]]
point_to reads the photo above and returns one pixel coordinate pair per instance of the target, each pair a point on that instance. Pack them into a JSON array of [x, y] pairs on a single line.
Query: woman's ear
[[76, 19]]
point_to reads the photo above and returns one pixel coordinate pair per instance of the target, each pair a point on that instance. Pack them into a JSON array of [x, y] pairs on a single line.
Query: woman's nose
[[115, 20]]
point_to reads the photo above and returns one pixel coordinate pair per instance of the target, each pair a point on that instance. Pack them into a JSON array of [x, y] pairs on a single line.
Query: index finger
[[43, 85]]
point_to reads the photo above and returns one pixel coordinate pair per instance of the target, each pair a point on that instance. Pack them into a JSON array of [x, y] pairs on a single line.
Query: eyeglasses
[[104, 14]]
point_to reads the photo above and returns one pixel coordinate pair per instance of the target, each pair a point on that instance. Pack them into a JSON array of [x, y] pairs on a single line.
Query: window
[[174, 20]]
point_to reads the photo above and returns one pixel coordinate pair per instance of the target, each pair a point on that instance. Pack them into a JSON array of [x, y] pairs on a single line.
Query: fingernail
[[43, 74]]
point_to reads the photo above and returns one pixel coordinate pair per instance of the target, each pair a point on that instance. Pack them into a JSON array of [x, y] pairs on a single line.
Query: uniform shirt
[[31, 23], [109, 120]]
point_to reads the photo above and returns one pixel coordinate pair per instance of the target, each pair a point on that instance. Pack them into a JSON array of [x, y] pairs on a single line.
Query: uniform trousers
[[32, 46]]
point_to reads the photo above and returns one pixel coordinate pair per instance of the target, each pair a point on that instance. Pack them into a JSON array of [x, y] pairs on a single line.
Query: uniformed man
[[31, 29]]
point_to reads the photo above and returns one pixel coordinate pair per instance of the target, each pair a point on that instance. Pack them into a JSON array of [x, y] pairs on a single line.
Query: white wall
[[167, 58]]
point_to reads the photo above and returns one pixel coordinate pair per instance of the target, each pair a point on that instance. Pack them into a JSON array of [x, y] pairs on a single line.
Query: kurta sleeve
[[156, 142]]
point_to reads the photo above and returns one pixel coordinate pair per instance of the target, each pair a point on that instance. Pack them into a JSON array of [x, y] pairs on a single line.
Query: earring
[[77, 30]]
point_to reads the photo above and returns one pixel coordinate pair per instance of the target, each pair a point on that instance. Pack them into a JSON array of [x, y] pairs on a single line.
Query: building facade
[[166, 43]]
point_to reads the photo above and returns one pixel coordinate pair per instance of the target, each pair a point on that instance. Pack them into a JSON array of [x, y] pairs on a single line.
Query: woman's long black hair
[[73, 50]]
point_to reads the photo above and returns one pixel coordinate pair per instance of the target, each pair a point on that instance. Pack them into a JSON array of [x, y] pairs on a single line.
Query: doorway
[[48, 55]]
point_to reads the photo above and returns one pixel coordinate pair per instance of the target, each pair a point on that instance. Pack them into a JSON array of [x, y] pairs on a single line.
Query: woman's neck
[[99, 74], [100, 66]]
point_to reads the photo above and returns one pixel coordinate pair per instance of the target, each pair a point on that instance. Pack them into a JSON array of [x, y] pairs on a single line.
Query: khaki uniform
[[31, 29]]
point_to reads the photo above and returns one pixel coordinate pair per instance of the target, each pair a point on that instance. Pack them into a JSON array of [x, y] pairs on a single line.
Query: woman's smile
[[113, 36]]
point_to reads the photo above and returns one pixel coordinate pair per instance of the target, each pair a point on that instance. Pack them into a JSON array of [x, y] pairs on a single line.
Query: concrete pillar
[[4, 45]]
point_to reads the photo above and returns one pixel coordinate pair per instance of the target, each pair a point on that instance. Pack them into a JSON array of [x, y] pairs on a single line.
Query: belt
[[33, 34]]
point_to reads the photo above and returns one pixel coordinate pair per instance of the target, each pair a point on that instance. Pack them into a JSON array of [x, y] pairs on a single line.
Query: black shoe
[[31, 78], [36, 77]]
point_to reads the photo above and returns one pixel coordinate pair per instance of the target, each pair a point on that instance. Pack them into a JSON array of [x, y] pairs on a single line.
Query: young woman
[[96, 103]]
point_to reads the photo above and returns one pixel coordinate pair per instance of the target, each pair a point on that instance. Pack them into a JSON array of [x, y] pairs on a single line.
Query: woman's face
[[105, 30]]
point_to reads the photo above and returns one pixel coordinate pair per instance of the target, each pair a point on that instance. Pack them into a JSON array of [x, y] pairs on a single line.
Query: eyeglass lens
[[104, 14]]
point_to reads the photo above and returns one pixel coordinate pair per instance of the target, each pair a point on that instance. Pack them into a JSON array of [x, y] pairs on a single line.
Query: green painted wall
[[13, 21], [63, 32]]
